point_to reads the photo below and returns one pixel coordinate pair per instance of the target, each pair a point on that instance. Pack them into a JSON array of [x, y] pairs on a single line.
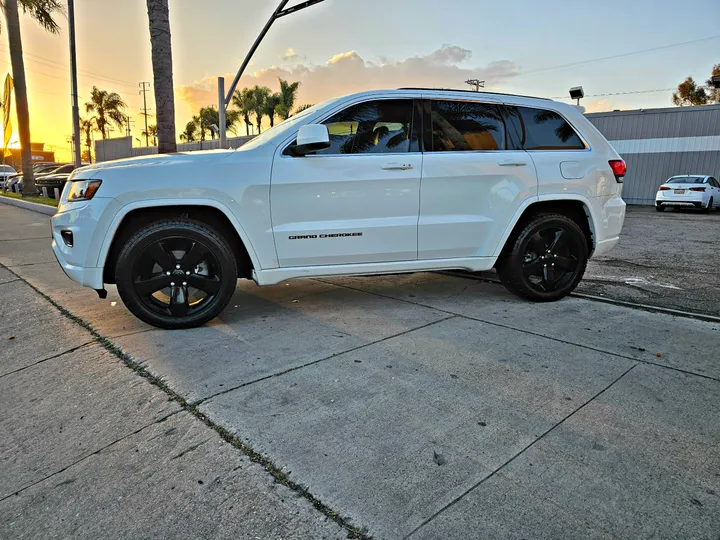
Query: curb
[[27, 205]]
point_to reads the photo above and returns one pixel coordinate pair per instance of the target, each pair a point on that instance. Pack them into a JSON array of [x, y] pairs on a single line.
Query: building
[[39, 154], [660, 143]]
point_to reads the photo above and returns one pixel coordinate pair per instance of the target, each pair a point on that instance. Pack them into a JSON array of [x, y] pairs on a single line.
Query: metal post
[[74, 82], [143, 91], [221, 112], [279, 12]]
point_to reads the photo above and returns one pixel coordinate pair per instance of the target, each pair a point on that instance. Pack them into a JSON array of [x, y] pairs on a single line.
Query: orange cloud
[[348, 72]]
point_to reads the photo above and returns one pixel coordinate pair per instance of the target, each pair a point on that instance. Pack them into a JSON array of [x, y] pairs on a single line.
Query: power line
[[615, 56], [621, 93]]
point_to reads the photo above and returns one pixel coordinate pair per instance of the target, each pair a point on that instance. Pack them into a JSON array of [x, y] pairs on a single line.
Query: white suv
[[372, 183]]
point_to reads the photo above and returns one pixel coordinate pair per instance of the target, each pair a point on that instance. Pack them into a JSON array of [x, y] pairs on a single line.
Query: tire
[[176, 273], [527, 268], [709, 207], [659, 208]]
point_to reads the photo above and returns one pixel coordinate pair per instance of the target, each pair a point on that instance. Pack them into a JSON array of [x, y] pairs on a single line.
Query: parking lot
[[411, 406]]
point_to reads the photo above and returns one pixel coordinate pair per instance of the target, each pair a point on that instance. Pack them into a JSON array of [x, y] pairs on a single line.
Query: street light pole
[[279, 12], [74, 83]]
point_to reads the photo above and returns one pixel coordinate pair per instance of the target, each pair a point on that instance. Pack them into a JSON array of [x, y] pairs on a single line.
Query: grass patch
[[41, 200]]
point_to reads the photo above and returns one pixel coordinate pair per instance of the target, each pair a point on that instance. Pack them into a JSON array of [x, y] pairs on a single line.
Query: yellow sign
[[7, 126]]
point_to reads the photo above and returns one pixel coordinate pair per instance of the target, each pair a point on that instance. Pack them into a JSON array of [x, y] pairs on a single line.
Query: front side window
[[465, 126], [373, 127], [546, 130]]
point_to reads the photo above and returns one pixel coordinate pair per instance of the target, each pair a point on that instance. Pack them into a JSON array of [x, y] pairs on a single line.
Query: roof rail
[[473, 92]]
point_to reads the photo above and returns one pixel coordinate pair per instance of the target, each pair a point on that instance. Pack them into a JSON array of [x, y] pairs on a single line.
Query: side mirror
[[310, 138]]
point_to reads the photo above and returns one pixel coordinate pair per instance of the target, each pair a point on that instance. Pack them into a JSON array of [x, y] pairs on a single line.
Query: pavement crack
[[335, 355], [48, 358], [96, 452], [190, 449], [521, 452]]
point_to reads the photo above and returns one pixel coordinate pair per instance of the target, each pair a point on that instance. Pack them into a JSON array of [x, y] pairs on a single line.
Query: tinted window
[[714, 182], [547, 130], [686, 180], [65, 169], [464, 126], [374, 127]]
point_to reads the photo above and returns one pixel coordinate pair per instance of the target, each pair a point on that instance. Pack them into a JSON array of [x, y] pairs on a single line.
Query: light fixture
[[578, 93]]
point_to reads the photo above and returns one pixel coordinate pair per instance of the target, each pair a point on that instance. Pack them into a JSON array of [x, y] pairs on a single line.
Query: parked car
[[372, 183], [52, 181], [5, 172], [689, 191], [62, 169]]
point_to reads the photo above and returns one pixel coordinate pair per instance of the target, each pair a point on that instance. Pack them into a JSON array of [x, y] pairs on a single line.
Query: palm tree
[[159, 18], [245, 102], [107, 106], [152, 131], [190, 131], [260, 96], [288, 93], [302, 108], [87, 126], [271, 105], [42, 11]]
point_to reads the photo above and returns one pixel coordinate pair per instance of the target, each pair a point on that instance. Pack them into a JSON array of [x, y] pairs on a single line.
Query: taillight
[[697, 189], [619, 168], [664, 188]]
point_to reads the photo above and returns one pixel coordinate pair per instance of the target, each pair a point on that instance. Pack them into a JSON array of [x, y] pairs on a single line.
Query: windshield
[[686, 180], [284, 126], [7, 168]]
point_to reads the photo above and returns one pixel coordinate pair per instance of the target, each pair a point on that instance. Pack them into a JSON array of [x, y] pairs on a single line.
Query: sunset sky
[[342, 46]]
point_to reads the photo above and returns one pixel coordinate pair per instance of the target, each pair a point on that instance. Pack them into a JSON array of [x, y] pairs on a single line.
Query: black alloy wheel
[[176, 274], [547, 259]]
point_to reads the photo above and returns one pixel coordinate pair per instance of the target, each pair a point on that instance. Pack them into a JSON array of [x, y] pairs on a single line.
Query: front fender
[[158, 203]]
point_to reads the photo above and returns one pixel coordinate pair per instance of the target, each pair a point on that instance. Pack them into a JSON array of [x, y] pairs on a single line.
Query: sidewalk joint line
[[521, 452], [80, 460], [335, 355], [49, 358]]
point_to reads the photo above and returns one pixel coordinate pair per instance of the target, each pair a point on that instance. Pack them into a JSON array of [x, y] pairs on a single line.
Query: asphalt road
[[417, 406]]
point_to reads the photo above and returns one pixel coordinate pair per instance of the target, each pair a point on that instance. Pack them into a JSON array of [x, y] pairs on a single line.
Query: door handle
[[397, 166], [511, 163]]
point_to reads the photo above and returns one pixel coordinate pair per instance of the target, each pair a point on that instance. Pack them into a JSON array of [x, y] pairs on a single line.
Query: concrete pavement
[[423, 406]]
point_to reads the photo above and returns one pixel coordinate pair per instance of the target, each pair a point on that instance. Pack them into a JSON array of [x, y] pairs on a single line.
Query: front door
[[357, 201], [473, 181]]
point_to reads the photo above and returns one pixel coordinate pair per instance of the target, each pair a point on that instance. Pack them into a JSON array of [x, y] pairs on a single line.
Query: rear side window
[[541, 129], [465, 126]]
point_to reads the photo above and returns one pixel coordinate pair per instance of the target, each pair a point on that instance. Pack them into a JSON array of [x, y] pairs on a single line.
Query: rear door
[[357, 201], [473, 182]]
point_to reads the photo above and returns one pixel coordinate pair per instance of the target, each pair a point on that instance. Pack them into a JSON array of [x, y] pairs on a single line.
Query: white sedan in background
[[689, 191]]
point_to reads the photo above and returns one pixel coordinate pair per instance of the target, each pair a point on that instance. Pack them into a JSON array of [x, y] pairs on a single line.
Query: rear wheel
[[709, 207], [547, 259], [176, 273], [659, 208]]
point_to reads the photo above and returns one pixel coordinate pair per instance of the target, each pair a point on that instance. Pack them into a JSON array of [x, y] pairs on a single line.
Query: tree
[[159, 18], [245, 102], [190, 132], [260, 96], [302, 108], [271, 105], [42, 11], [689, 93], [288, 93], [87, 126], [152, 132], [107, 106], [714, 92]]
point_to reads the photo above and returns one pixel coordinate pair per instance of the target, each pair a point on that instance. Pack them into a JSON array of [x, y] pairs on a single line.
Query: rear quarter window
[[542, 129]]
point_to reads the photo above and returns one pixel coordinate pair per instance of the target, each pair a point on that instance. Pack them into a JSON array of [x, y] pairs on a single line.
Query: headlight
[[82, 190]]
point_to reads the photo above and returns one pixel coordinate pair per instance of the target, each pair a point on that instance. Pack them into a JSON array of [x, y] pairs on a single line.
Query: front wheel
[[547, 259], [176, 273]]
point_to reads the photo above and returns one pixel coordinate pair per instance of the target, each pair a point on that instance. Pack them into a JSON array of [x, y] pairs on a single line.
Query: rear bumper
[[686, 204]]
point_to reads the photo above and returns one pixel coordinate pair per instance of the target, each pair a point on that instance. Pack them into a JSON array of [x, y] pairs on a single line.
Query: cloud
[[599, 105], [348, 72], [290, 54]]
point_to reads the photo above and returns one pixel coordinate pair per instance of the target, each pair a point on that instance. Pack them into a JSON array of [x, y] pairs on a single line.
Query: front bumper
[[89, 277]]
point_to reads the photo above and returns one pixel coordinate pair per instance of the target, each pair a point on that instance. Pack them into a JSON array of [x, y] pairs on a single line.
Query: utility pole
[[280, 11], [478, 84], [128, 126], [144, 87], [74, 82]]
